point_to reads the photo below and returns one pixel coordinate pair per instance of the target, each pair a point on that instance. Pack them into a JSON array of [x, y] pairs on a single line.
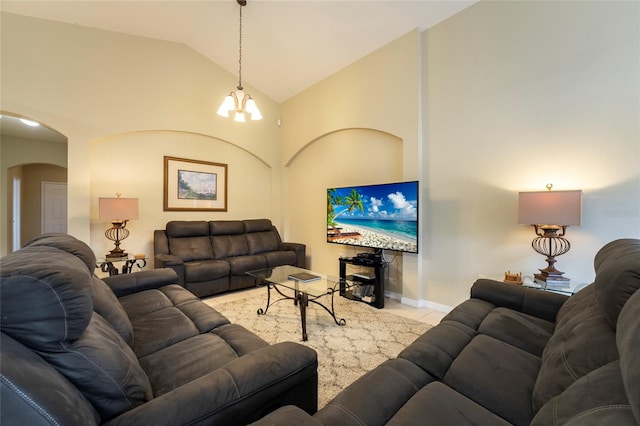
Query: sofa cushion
[[226, 227], [496, 375], [580, 301], [225, 246], [192, 358], [436, 349], [66, 243], [205, 270], [374, 398], [103, 367], [46, 296], [628, 342], [166, 316], [191, 248], [24, 374], [471, 312], [280, 258], [595, 399], [160, 328], [108, 306], [187, 228], [580, 344], [257, 225], [239, 338], [442, 405], [617, 267], [242, 264], [518, 329], [182, 362], [260, 242]]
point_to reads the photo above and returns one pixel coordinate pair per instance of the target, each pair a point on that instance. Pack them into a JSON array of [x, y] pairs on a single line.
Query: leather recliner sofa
[[511, 355], [213, 257], [132, 349]]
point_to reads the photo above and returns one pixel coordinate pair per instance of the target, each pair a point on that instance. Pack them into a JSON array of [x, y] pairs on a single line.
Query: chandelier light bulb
[[227, 105], [239, 117], [252, 109]]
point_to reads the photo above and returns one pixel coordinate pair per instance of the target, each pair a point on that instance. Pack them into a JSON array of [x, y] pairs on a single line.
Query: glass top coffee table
[[290, 279]]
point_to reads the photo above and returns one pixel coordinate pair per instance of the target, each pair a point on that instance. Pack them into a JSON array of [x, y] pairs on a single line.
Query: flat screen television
[[381, 217]]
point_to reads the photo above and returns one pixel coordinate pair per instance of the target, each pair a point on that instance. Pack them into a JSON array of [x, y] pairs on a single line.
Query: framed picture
[[192, 185]]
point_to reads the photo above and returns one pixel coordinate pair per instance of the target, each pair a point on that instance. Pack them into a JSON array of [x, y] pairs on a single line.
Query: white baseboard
[[418, 303], [393, 295]]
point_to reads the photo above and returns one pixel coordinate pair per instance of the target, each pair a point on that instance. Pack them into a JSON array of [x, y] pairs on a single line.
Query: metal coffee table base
[[301, 299]]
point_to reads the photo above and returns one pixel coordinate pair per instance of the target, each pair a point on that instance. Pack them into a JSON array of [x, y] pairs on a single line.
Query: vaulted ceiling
[[287, 45]]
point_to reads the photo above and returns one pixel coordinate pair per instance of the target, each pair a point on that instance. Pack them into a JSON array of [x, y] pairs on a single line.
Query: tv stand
[[369, 287]]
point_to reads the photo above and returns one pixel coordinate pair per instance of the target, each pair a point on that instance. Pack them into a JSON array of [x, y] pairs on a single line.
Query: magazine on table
[[304, 277]]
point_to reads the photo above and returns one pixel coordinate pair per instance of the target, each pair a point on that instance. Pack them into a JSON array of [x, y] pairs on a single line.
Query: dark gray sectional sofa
[[511, 356], [135, 349], [213, 257]]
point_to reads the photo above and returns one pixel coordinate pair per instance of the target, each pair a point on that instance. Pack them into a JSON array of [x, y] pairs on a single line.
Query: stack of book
[[554, 284]]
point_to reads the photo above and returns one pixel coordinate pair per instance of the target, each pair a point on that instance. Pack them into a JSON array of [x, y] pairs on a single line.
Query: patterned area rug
[[345, 353]]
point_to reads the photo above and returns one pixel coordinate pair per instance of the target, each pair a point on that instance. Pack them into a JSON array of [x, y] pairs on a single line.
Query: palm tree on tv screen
[[352, 201]]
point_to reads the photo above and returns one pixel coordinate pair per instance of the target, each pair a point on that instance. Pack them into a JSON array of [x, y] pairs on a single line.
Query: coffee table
[[303, 292]]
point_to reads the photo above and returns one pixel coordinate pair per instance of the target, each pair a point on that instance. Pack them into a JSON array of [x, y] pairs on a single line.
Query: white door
[[16, 214], [54, 207]]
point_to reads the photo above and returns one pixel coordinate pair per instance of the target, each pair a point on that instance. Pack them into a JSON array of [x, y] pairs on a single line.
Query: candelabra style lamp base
[[550, 243], [117, 233]]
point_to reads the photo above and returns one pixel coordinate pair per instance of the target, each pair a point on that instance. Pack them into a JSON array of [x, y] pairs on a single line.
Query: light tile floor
[[430, 316]]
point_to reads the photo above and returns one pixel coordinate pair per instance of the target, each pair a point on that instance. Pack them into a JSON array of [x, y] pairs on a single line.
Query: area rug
[[345, 353]]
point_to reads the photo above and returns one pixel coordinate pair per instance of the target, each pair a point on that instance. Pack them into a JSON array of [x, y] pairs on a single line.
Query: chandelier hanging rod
[[239, 102]]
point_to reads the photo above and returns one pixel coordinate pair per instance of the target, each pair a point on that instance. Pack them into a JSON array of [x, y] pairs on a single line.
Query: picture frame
[[194, 185]]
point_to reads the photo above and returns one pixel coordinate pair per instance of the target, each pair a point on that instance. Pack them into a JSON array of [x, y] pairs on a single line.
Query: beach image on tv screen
[[377, 216]]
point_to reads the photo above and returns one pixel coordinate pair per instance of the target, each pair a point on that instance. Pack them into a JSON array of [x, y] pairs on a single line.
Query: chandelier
[[238, 101]]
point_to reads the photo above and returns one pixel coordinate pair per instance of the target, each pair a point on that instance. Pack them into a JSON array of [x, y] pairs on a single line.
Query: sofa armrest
[[124, 284], [289, 415], [243, 391], [301, 252], [541, 304], [170, 261]]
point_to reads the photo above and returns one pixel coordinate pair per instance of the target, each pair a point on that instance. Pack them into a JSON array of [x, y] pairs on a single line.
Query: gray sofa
[[134, 349], [511, 356], [213, 257]]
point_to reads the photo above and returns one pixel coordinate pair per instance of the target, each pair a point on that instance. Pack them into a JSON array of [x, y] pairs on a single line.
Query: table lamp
[[118, 211], [550, 212]]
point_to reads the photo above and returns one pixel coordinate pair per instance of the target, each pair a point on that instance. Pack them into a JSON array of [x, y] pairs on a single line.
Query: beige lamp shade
[[562, 208], [114, 209]]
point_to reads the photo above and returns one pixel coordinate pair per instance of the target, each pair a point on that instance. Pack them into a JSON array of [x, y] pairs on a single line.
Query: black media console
[[369, 287]]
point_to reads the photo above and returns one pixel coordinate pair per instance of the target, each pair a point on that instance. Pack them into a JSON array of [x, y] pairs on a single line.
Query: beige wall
[[513, 95], [115, 164], [98, 87], [359, 126], [519, 94]]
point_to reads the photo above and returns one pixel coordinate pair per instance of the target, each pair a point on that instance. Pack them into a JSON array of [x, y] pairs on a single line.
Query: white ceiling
[[287, 45]]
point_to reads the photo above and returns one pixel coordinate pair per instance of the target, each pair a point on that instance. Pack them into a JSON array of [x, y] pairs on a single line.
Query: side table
[[111, 264]]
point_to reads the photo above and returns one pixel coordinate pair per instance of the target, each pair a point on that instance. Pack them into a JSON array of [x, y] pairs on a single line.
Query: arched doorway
[[34, 165]]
